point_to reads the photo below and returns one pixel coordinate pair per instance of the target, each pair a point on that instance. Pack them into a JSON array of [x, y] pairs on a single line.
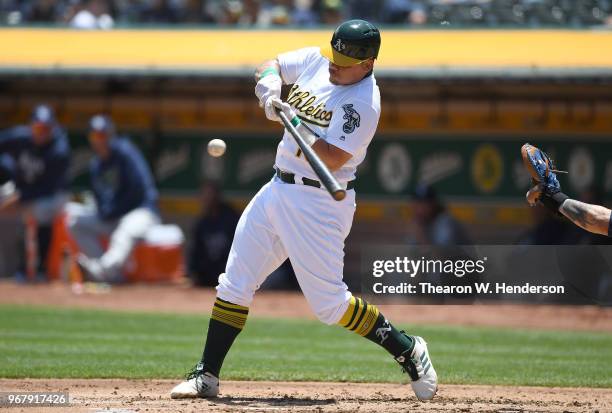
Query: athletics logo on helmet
[[339, 46], [353, 42]]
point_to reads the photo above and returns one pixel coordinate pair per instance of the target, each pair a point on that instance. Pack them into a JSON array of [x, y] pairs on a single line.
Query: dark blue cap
[[43, 114], [103, 124]]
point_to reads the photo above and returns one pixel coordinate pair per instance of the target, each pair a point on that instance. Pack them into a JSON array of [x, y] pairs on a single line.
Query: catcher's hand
[[543, 173], [534, 194]]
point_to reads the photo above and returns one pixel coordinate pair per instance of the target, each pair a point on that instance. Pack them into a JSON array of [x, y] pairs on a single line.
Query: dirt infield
[[152, 396]]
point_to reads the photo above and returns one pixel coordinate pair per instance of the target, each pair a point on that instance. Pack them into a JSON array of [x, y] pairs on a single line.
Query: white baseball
[[216, 147]]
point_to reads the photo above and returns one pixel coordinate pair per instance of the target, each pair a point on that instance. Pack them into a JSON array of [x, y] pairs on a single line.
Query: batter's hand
[[275, 103], [268, 87]]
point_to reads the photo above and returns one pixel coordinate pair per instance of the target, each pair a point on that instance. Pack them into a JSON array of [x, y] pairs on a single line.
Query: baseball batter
[[335, 100]]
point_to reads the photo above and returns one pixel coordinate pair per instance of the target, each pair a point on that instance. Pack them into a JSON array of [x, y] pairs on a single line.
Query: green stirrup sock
[[226, 323]]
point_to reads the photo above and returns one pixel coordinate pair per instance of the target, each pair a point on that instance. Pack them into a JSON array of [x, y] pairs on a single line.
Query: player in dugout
[[125, 204], [547, 190], [34, 161]]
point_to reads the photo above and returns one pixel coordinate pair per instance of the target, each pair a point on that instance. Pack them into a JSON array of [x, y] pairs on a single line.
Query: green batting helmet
[[353, 42]]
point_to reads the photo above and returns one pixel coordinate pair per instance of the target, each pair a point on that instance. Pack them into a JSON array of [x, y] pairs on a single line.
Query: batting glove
[[275, 103], [267, 87]]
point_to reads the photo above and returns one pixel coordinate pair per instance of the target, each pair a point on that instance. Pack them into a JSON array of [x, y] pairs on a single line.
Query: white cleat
[[91, 267], [420, 369], [197, 384]]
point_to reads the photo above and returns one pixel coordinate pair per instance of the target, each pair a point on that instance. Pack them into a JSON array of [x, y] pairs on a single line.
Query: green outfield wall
[[477, 167]]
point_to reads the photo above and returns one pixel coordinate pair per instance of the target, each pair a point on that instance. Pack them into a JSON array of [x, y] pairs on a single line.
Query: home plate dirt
[[124, 396]]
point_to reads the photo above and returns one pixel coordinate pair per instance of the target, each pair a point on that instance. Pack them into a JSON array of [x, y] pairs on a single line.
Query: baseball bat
[[331, 184]]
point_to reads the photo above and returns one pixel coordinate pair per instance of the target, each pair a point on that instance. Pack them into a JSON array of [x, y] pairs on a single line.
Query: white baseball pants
[[86, 228], [296, 221]]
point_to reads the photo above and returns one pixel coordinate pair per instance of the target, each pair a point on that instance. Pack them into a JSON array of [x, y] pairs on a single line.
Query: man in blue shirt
[[126, 203], [34, 160], [212, 236]]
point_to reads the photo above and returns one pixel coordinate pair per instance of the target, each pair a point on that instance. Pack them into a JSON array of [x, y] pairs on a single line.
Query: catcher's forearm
[[593, 218], [267, 65]]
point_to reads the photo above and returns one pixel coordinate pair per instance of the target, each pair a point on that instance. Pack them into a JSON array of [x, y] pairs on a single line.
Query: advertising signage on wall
[[456, 167]]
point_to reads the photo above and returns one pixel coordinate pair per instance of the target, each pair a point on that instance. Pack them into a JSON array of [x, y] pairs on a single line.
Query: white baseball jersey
[[344, 116], [303, 223]]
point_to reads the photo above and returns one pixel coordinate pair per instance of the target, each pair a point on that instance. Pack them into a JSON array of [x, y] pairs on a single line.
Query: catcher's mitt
[[543, 173]]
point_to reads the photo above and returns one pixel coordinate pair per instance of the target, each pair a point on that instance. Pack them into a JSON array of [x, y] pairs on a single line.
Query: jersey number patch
[[352, 118]]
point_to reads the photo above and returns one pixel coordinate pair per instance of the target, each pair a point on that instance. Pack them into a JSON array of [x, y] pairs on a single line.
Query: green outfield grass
[[45, 342]]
